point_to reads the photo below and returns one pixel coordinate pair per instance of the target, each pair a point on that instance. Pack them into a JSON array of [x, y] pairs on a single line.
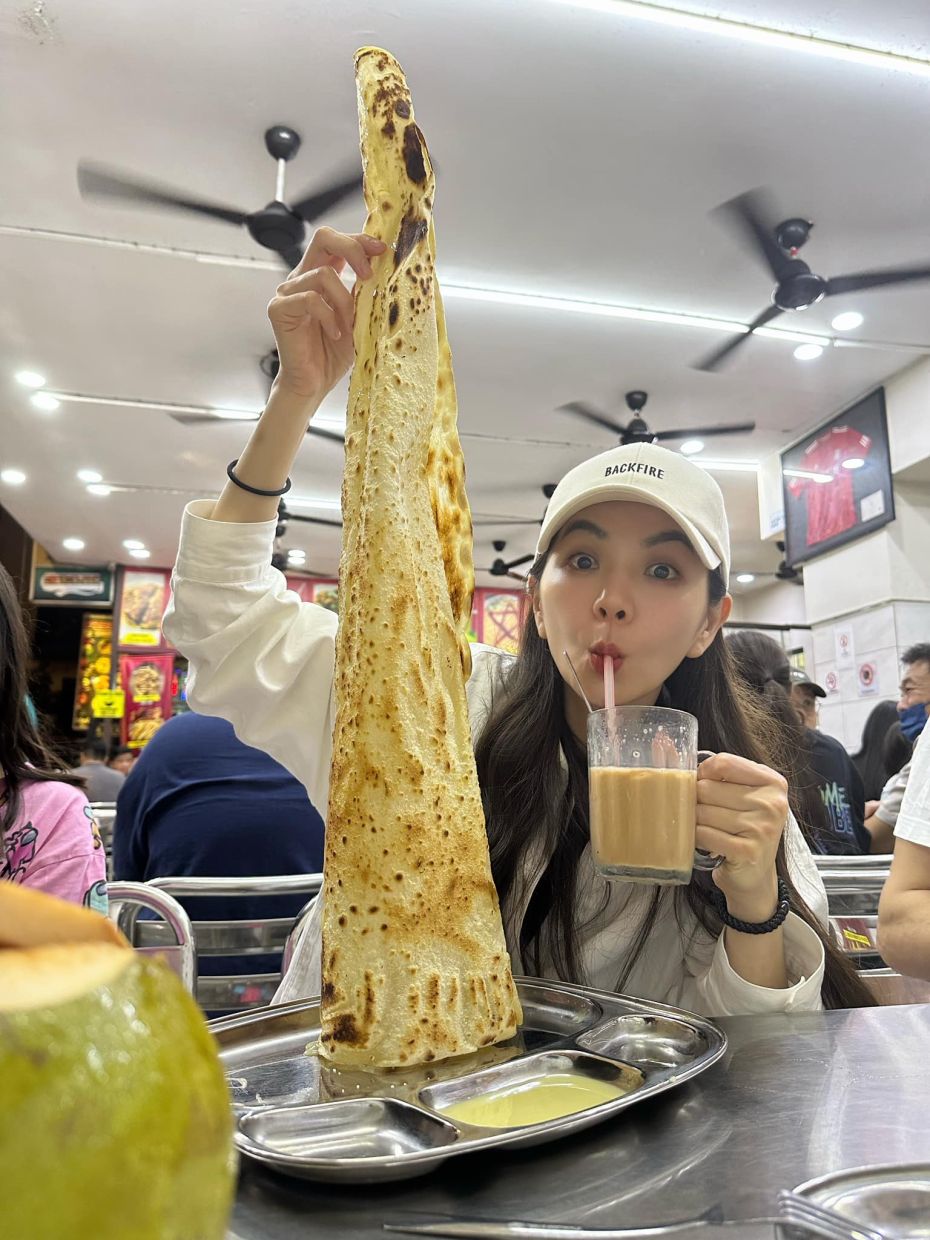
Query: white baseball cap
[[644, 473]]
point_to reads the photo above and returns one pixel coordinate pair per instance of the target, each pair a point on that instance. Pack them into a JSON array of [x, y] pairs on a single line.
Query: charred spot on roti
[[413, 153], [393, 313], [412, 231], [345, 1029], [402, 108]]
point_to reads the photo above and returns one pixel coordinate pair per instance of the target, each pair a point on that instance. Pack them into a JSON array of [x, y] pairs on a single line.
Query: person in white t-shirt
[[904, 910]]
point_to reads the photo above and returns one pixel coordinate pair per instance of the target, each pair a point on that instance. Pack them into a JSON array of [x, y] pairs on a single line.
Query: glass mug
[[642, 773]]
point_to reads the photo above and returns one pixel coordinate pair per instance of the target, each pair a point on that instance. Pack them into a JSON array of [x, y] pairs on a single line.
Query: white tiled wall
[[880, 635]]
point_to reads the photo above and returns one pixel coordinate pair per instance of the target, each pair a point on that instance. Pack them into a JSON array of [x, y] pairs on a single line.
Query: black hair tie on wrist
[[782, 910], [254, 490]]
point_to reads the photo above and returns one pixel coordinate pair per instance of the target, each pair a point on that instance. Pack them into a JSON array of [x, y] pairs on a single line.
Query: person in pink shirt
[[48, 837]]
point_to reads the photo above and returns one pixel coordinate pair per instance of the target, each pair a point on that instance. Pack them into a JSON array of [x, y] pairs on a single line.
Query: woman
[[48, 834], [624, 578], [884, 749], [829, 801]]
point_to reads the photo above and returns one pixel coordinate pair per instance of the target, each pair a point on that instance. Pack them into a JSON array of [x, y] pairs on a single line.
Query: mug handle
[[703, 859]]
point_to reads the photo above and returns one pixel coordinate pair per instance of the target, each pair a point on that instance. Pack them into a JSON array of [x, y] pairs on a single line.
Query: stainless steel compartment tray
[[300, 1117]]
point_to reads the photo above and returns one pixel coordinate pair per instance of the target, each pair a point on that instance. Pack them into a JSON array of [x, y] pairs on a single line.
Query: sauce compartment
[[650, 1042], [515, 1095], [357, 1129]]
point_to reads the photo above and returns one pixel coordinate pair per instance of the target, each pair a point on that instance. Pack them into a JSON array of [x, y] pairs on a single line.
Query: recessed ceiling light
[[29, 378], [140, 553], [133, 544], [692, 446], [297, 556], [73, 544], [99, 488], [807, 352], [745, 578], [854, 462], [847, 321], [15, 477], [89, 475], [45, 401]]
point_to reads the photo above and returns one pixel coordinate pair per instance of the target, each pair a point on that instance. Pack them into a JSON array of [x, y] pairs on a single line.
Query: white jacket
[[263, 659]]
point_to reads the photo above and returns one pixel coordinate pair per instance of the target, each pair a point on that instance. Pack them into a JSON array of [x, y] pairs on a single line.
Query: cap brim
[[631, 493]]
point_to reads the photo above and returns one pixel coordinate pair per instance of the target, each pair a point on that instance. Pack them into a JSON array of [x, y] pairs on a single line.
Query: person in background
[[913, 709], [48, 837], [904, 908], [882, 743], [101, 782], [819, 765], [199, 802], [804, 693], [121, 759]]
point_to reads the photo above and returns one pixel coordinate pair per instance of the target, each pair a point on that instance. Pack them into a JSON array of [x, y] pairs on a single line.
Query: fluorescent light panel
[[751, 32]]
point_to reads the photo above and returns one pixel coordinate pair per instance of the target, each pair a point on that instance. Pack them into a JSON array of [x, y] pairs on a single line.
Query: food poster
[[497, 618], [95, 659], [143, 598], [314, 590], [147, 681]]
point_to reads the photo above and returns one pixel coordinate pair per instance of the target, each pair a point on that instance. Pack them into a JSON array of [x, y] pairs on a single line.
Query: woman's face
[[622, 578]]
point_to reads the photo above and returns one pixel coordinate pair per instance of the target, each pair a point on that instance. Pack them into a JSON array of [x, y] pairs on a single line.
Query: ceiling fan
[[784, 571], [636, 430], [277, 226], [502, 567], [776, 245], [269, 365]]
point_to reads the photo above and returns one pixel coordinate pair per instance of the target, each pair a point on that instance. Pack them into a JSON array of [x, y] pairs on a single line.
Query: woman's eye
[[582, 560], [662, 572]]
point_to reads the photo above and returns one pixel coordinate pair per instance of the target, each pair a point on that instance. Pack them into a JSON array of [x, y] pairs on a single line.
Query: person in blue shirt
[[199, 802]]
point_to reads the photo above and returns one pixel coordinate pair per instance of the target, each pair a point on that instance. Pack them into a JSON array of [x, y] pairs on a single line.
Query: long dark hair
[[527, 800], [764, 667], [24, 755], [872, 761]]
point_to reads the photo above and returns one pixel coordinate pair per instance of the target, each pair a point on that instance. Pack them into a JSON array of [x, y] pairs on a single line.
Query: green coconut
[[114, 1113]]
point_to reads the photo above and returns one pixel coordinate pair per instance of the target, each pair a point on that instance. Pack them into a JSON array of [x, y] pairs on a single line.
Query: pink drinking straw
[[609, 701]]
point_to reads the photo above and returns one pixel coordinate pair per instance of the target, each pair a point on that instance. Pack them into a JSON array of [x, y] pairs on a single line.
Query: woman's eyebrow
[[668, 536], [588, 526]]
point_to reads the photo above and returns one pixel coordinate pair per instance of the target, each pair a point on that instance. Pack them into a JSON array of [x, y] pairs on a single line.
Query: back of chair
[[105, 814], [175, 941], [250, 937]]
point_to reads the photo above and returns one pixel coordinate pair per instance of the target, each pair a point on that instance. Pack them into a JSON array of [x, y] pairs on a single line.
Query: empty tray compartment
[[533, 1090], [648, 1041], [357, 1129]]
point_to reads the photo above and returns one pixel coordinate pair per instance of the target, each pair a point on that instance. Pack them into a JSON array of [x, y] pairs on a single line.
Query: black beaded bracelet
[[753, 927], [253, 490]]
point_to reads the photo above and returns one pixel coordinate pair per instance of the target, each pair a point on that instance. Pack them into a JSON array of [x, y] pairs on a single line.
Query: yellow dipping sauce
[[534, 1102]]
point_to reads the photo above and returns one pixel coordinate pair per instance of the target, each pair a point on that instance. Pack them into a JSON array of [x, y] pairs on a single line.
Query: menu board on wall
[[143, 598], [94, 663], [146, 680], [326, 594]]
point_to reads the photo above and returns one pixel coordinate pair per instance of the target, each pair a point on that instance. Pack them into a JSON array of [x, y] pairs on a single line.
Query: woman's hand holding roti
[[742, 809], [312, 313]]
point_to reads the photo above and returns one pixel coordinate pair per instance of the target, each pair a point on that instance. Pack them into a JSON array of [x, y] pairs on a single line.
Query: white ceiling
[[580, 151]]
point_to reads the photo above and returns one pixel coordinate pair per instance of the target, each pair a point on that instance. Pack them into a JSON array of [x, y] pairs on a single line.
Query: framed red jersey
[[837, 481]]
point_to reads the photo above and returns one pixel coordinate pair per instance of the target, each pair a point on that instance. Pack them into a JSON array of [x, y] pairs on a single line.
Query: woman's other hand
[[312, 313], [742, 810]]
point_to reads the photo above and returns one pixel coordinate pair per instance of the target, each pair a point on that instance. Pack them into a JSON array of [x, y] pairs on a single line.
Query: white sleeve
[[914, 819], [259, 656]]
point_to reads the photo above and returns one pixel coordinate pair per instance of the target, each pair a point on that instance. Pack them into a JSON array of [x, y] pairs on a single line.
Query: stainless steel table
[[795, 1097]]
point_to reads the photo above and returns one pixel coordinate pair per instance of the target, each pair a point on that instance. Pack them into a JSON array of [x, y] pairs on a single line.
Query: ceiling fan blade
[[322, 433], [521, 559], [312, 206], [517, 577], [693, 432], [290, 515], [581, 410], [753, 214], [97, 181], [875, 279], [291, 258], [713, 360]]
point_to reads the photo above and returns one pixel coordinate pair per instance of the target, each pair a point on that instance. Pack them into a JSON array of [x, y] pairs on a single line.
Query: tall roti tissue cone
[[114, 1114]]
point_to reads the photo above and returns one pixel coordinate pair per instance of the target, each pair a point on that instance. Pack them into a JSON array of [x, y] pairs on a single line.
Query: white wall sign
[[868, 679], [831, 682], [843, 640]]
